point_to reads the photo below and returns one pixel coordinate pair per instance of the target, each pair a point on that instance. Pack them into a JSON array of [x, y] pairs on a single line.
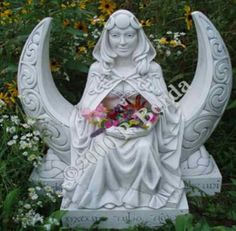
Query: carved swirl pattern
[[147, 85], [201, 130], [31, 102], [57, 134], [222, 71], [103, 83], [31, 51], [71, 173], [28, 76], [201, 126]]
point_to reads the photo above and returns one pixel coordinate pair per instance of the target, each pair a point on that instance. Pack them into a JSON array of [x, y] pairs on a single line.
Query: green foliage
[[76, 27], [9, 205]]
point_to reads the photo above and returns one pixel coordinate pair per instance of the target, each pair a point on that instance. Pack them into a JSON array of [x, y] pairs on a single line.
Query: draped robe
[[138, 171]]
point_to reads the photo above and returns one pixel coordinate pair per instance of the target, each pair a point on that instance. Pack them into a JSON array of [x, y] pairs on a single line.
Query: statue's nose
[[122, 40]]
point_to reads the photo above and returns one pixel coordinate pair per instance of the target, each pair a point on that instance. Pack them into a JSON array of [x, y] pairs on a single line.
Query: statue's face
[[123, 41]]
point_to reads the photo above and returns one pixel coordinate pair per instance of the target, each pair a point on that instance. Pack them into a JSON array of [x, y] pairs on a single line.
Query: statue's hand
[[129, 133]]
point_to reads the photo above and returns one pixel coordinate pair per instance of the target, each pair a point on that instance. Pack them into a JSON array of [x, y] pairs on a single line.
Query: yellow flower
[[5, 4], [82, 4], [29, 2], [55, 66], [7, 13], [107, 6], [90, 43], [188, 17], [63, 6], [163, 41], [11, 87], [81, 50], [146, 22], [98, 20], [66, 22], [4, 97], [81, 26], [173, 43], [24, 11]]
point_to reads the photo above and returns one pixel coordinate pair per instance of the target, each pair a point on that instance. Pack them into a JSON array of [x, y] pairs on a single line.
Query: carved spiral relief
[[31, 102], [29, 79], [70, 173], [56, 136], [199, 128], [222, 71], [217, 98], [217, 48], [30, 55], [28, 76]]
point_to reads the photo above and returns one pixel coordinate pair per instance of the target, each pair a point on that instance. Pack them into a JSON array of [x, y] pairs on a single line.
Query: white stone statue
[[131, 167]]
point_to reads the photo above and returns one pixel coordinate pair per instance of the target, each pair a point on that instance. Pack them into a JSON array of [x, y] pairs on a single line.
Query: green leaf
[[233, 181], [232, 105], [74, 65], [11, 68], [184, 222], [74, 31], [58, 214], [96, 223], [10, 201]]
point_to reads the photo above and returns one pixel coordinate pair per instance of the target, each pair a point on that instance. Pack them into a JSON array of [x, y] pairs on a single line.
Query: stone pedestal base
[[53, 182], [120, 218], [209, 183]]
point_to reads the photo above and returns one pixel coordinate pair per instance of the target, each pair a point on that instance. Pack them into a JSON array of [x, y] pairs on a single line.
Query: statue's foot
[[109, 206]]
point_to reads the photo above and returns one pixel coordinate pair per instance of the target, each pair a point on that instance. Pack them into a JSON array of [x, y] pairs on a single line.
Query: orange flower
[[66, 22], [81, 26]]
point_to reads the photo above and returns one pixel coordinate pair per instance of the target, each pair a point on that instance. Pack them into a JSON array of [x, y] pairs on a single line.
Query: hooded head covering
[[123, 19]]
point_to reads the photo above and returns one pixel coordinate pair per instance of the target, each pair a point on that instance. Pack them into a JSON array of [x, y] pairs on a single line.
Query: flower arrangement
[[128, 114]]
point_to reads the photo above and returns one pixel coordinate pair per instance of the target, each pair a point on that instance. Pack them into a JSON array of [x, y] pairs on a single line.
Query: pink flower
[[87, 114], [153, 118], [101, 108], [100, 111], [108, 124], [116, 123]]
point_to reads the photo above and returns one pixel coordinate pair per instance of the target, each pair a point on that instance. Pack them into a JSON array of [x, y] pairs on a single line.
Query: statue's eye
[[114, 35], [130, 35]]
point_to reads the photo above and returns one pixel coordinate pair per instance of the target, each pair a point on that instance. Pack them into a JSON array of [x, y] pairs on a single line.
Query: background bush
[[76, 27]]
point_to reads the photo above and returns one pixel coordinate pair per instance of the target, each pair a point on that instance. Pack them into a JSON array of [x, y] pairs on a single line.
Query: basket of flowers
[[127, 115]]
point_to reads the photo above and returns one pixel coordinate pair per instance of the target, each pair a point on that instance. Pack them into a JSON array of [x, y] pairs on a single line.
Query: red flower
[[138, 104]]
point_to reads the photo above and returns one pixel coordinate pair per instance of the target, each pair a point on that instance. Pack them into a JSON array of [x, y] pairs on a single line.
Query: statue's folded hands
[[128, 133]]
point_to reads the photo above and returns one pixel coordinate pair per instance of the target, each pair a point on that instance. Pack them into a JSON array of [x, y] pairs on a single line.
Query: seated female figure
[[132, 167]]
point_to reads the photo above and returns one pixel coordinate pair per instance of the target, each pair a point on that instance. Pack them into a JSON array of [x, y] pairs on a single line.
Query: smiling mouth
[[123, 49]]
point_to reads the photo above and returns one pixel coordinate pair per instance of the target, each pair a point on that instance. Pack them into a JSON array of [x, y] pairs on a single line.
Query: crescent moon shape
[[206, 99], [38, 93]]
